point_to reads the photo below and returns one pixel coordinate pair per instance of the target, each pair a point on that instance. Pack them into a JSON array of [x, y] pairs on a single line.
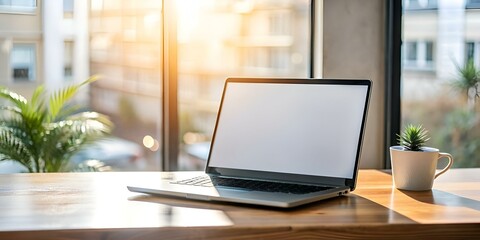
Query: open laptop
[[279, 143]]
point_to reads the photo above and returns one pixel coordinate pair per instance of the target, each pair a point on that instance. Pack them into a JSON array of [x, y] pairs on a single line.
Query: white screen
[[303, 129]]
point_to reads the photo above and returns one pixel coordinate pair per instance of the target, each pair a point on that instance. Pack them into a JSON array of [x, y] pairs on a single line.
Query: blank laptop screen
[[308, 129]]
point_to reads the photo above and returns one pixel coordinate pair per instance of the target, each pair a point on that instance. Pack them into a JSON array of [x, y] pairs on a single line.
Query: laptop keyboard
[[254, 185]]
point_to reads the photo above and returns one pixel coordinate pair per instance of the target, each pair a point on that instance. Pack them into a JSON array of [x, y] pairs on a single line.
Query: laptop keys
[[254, 185]]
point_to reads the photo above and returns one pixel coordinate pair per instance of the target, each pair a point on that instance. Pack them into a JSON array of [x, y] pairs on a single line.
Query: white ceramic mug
[[415, 171]]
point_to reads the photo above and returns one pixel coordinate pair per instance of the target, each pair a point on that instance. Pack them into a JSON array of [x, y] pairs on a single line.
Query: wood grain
[[98, 206]]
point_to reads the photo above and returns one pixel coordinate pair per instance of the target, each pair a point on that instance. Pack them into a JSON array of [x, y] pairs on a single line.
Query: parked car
[[112, 153], [117, 153]]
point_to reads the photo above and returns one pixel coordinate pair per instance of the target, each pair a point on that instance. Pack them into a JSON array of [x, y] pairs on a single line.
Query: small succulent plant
[[413, 137]]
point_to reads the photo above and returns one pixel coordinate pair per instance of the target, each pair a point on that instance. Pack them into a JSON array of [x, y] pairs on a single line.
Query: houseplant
[[42, 134], [413, 164]]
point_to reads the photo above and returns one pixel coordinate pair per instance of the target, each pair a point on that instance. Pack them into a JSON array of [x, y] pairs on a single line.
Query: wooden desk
[[98, 206]]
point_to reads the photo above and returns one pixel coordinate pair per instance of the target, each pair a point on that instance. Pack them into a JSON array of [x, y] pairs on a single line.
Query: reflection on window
[[444, 99], [218, 39], [22, 62]]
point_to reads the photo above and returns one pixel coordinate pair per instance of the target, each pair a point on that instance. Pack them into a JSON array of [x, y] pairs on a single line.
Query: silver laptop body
[[286, 132]]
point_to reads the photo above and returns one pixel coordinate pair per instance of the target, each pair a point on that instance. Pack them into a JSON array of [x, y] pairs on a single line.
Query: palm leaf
[[66, 138], [13, 148], [32, 134], [13, 97], [60, 97]]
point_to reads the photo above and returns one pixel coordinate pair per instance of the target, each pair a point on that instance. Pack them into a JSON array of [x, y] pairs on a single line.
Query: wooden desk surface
[[98, 206]]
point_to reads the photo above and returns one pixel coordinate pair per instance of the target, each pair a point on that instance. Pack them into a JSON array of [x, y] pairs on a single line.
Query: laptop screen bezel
[[287, 177]]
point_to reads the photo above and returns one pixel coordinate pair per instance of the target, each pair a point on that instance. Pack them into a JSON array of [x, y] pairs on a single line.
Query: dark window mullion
[[392, 75], [312, 39], [170, 89]]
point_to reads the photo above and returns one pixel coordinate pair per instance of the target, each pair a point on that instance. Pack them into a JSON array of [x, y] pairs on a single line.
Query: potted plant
[[413, 164], [42, 134]]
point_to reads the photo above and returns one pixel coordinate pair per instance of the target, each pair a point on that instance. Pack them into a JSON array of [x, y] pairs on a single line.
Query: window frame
[[33, 67], [393, 58], [170, 123]]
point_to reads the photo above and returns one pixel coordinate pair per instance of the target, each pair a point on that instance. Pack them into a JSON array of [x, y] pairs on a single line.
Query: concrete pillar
[[53, 45], [450, 38], [81, 68]]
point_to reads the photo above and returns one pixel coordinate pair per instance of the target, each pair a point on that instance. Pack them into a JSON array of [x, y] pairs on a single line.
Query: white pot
[[415, 171]]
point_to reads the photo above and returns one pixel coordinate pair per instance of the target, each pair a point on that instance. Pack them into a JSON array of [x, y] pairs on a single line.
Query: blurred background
[[128, 43], [60, 42]]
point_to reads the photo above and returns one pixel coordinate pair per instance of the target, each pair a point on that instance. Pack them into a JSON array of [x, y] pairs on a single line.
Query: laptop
[[278, 143]]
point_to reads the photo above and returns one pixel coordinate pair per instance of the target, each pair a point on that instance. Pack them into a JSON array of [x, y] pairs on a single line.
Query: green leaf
[[413, 137], [15, 98], [12, 147], [60, 97], [32, 134]]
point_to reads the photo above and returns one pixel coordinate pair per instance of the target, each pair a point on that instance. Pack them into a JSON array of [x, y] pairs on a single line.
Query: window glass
[[125, 49], [245, 38], [411, 51], [122, 43], [68, 60], [23, 62], [68, 8], [443, 93], [429, 51]]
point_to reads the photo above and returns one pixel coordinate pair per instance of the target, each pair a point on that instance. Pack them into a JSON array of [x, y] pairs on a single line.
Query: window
[[125, 49], [18, 6], [418, 55], [472, 53], [469, 51], [68, 8], [250, 38], [162, 65], [443, 99], [473, 4], [68, 60], [23, 62], [411, 51], [429, 51], [420, 4]]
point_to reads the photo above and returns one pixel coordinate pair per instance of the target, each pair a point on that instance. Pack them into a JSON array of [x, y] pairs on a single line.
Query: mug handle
[[450, 162]]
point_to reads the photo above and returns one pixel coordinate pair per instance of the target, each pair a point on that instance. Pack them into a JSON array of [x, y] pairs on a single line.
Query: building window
[[420, 4], [68, 60], [411, 51], [68, 8], [22, 62], [472, 53], [429, 51], [18, 6], [473, 4], [418, 55]]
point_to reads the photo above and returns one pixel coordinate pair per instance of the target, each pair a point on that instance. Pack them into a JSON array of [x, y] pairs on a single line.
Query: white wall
[[353, 47]]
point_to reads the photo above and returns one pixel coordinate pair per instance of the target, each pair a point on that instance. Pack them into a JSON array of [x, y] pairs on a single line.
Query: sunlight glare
[[188, 15]]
